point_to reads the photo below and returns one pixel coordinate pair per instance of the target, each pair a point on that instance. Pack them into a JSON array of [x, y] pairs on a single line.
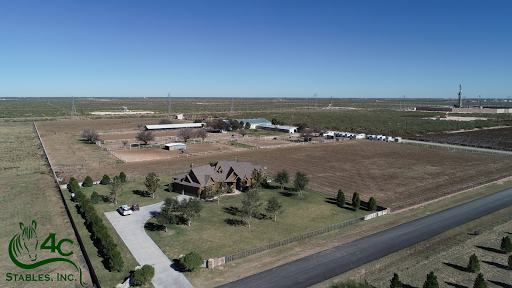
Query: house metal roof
[[174, 126]]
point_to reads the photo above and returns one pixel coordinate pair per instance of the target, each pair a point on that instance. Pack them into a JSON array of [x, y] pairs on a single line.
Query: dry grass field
[[390, 172], [28, 192]]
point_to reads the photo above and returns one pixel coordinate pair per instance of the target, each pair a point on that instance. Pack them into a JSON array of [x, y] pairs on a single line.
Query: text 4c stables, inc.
[[38, 277]]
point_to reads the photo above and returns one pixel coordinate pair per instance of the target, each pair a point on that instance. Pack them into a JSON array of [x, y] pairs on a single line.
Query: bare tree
[[306, 134], [140, 125], [202, 133], [145, 136], [90, 135], [124, 142], [186, 133], [219, 124], [242, 132], [165, 121]]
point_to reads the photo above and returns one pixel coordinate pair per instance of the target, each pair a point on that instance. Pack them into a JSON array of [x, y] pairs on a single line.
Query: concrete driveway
[[145, 251]]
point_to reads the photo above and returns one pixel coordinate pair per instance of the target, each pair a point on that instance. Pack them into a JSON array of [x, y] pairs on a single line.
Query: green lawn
[[133, 193], [241, 145], [214, 234]]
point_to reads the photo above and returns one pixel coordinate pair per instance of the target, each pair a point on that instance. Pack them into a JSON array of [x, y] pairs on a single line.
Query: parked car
[[135, 207], [125, 210]]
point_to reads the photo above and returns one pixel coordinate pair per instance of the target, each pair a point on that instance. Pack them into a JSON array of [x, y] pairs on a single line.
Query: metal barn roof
[[174, 126]]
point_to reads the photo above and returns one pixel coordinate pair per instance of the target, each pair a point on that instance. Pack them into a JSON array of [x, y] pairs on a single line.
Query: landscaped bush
[[105, 180], [73, 186], [143, 275], [192, 261], [340, 199], [356, 201], [372, 204], [87, 182], [95, 197]]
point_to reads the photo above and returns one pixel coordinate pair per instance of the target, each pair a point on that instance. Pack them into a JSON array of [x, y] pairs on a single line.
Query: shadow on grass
[[490, 249], [407, 286], [497, 265], [141, 193], [235, 211], [455, 266], [454, 284], [234, 222], [286, 193], [154, 227], [501, 284]]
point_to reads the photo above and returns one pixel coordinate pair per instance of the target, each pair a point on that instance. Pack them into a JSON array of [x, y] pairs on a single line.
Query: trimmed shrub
[[105, 180], [95, 197], [143, 275], [122, 176], [372, 204], [87, 182], [474, 264], [192, 261], [116, 262], [506, 245]]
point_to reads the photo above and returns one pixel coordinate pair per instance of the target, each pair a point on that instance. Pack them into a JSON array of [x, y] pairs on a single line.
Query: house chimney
[[191, 164]]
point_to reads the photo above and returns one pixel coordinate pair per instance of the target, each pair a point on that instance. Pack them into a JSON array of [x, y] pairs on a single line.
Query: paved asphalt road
[[327, 264]]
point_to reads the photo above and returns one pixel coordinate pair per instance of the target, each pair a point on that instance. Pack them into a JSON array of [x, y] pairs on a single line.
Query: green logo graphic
[[26, 242]]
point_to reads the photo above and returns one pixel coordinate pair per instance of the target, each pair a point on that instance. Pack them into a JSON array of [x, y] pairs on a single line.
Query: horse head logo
[[26, 241]]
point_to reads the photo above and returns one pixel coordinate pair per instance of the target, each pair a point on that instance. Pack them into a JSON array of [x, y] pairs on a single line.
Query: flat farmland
[[263, 143], [134, 134], [390, 172], [142, 154]]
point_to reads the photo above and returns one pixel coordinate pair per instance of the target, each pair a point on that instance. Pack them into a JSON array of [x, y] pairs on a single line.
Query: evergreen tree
[[510, 262], [395, 282], [95, 197], [340, 200], [480, 281], [372, 204], [474, 264], [116, 262], [87, 182], [356, 201], [166, 217], [105, 180], [506, 245], [431, 281], [122, 176], [143, 275]]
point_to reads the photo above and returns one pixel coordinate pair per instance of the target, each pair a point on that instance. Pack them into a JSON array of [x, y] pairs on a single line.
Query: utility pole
[[73, 109], [479, 101], [315, 101], [232, 106], [169, 110]]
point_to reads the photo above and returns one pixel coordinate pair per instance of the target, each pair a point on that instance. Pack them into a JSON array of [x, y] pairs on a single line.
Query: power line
[[73, 109], [169, 110]]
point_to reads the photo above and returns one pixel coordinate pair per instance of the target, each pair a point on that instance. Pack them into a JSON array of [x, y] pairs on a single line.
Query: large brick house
[[203, 179]]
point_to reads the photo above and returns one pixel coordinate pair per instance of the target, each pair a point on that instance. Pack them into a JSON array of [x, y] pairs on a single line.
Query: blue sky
[[255, 48]]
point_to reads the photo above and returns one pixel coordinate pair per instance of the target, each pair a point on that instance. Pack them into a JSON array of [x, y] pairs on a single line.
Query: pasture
[[28, 192]]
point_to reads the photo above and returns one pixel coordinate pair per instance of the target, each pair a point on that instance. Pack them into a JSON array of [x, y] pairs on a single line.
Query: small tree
[[274, 207], [300, 182], [190, 208], [506, 245], [431, 281], [90, 135], [143, 275], [250, 203], [306, 134], [166, 217], [340, 200], [202, 133], [282, 177], [140, 125], [242, 132], [87, 182], [105, 180], [145, 136], [257, 178], [152, 183], [95, 197], [122, 176], [116, 189], [480, 281], [186, 133], [510, 262], [395, 282], [164, 121], [474, 264], [356, 201], [124, 142], [192, 261], [247, 126], [372, 204]]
